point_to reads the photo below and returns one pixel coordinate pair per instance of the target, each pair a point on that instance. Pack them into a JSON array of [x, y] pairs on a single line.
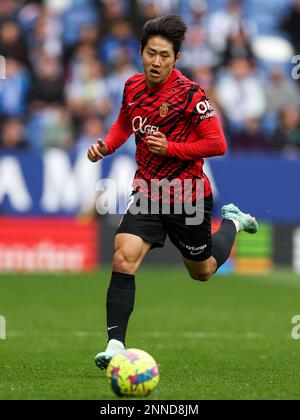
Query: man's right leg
[[130, 251]]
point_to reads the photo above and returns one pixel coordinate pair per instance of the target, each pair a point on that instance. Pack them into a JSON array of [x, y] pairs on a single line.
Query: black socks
[[222, 241], [119, 304]]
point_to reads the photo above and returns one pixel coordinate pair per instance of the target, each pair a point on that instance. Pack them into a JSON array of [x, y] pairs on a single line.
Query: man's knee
[[125, 261], [201, 271], [201, 276]]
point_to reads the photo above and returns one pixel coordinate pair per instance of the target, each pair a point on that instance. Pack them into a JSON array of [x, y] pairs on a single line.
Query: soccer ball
[[132, 373]]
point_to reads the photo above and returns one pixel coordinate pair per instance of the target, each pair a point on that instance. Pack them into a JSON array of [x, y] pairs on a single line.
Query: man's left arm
[[206, 126], [211, 142]]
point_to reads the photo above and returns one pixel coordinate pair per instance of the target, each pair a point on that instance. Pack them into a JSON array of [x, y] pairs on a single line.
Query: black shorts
[[193, 241]]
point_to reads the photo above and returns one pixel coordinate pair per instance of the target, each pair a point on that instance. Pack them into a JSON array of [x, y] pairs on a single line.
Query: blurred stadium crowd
[[66, 62]]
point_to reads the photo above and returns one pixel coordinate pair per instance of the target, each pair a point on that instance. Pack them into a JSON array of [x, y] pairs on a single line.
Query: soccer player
[[175, 129]]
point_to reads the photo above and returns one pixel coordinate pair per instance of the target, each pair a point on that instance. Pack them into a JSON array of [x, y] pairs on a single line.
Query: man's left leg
[[233, 222]]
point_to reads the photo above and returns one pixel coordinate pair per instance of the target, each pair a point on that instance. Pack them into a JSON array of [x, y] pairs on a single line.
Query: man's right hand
[[97, 151]]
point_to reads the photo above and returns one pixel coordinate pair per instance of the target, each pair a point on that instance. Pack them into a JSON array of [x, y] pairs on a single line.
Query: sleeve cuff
[[108, 149]]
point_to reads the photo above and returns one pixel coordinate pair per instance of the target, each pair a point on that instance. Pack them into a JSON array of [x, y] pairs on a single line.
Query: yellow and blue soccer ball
[[132, 373]]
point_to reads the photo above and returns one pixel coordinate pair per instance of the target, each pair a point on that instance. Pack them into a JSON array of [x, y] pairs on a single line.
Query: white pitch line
[[152, 334]]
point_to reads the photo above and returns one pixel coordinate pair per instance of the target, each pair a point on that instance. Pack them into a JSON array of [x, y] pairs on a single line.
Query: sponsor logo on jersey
[[205, 109], [139, 124], [164, 109]]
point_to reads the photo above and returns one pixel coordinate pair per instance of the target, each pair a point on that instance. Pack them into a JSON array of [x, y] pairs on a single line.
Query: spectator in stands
[[50, 126], [12, 45], [8, 10], [93, 127], [88, 39], [225, 22], [237, 46], [76, 16], [196, 52], [115, 9], [250, 139], [12, 134], [58, 129], [240, 94], [194, 11], [280, 92], [28, 15], [45, 37], [116, 79], [287, 136], [47, 85], [76, 63], [89, 34], [146, 9], [204, 76], [291, 24], [119, 39], [88, 92], [14, 90]]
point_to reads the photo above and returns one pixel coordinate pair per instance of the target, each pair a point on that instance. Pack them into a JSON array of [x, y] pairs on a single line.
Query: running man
[[175, 129]]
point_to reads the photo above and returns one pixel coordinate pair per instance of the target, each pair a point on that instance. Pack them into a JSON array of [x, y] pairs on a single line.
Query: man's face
[[158, 60]]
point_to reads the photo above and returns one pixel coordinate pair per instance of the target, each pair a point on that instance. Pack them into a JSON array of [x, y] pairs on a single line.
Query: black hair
[[170, 27]]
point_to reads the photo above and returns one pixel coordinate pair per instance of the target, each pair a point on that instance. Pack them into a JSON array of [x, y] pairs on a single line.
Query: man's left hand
[[157, 143]]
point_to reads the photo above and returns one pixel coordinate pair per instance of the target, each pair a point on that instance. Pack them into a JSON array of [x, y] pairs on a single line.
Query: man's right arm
[[117, 135]]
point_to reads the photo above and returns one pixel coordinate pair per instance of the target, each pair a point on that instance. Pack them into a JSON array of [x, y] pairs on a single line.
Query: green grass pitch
[[229, 338]]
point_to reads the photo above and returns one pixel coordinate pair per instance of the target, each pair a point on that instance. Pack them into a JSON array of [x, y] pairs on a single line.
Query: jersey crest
[[164, 109]]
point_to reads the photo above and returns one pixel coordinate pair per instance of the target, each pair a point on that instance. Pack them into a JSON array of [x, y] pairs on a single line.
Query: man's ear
[[140, 50], [177, 58]]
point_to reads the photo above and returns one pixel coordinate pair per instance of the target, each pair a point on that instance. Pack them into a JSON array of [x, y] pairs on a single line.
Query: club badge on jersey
[[164, 109]]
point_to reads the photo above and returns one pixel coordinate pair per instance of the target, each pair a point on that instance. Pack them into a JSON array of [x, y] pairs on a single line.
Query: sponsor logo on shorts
[[193, 249]]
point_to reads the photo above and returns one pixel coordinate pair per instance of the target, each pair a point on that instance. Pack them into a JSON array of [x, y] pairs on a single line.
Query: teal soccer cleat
[[102, 360], [247, 222]]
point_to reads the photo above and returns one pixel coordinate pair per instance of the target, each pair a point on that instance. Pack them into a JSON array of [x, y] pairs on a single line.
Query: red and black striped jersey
[[179, 109]]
